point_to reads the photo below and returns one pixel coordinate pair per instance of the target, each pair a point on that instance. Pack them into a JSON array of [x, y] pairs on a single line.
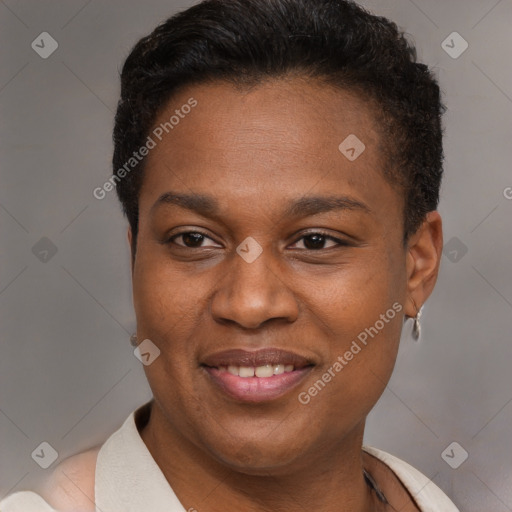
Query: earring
[[416, 328], [133, 339]]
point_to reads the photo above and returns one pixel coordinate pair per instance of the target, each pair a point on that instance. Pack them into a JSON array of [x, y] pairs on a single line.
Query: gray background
[[67, 372]]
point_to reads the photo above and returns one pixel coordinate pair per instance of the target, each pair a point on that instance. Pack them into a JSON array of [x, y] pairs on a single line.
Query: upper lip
[[262, 357]]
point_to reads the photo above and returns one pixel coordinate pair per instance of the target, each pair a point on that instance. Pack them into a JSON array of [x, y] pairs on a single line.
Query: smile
[[267, 370], [258, 376]]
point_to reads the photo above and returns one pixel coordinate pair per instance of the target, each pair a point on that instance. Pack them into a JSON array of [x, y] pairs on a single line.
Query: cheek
[[168, 313], [354, 296], [165, 300], [360, 311]]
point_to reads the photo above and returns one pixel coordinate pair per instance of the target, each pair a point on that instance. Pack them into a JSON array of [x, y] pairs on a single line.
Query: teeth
[[264, 371], [260, 371], [233, 370], [278, 369], [246, 371]]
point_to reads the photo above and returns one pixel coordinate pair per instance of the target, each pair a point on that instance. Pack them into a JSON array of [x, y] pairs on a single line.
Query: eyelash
[[339, 242]]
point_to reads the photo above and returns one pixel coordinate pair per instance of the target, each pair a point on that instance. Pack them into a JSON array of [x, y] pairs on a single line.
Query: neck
[[330, 479]]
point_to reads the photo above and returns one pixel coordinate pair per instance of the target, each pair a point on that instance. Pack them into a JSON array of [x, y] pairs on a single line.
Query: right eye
[[191, 240]]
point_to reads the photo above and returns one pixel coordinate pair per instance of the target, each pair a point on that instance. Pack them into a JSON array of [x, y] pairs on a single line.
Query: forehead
[[279, 138]]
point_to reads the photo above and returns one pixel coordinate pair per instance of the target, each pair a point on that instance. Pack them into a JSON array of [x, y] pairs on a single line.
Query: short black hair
[[245, 42]]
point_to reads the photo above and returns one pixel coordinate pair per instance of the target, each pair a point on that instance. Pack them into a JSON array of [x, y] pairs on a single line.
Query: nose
[[250, 294]]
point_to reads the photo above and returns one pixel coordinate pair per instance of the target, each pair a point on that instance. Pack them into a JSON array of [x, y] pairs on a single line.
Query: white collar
[[127, 477], [425, 492]]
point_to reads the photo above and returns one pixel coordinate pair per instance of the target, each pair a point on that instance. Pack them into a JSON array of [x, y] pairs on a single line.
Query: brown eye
[[314, 241], [192, 240], [318, 241]]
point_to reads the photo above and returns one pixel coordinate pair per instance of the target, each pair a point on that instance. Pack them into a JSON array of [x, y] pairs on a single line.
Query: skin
[[253, 151]]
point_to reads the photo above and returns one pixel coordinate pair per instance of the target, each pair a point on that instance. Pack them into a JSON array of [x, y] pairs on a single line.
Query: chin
[[258, 458]]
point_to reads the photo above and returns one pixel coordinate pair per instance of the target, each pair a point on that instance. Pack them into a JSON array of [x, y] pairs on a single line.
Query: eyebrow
[[314, 205], [208, 206], [204, 205]]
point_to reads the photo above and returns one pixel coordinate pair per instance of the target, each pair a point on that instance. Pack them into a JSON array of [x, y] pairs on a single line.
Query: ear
[[424, 251]]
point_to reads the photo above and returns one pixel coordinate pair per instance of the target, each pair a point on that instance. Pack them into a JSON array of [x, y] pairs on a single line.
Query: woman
[[279, 163]]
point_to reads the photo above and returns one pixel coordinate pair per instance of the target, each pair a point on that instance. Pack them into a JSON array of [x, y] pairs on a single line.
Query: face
[[261, 246]]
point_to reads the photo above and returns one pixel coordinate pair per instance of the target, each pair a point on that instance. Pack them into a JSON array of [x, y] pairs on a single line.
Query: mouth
[[257, 376]]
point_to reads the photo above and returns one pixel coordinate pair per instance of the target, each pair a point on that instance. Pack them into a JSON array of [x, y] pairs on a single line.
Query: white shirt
[[127, 479]]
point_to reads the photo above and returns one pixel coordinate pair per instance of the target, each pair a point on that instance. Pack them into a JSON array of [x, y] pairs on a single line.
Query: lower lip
[[257, 389]]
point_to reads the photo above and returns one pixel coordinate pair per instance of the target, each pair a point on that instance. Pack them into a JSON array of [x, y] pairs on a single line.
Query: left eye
[[316, 241]]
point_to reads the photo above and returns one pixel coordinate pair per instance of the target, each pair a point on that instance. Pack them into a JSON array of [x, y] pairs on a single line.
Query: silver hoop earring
[[133, 339], [416, 328]]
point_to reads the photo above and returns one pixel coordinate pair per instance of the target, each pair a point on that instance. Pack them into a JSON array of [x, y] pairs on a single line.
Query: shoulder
[[69, 488], [71, 485]]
